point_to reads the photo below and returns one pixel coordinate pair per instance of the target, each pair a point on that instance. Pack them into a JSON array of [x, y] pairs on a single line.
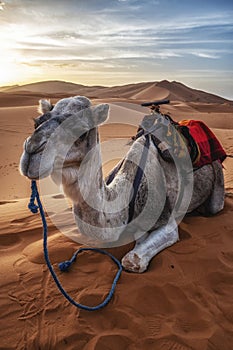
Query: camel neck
[[101, 210], [85, 179]]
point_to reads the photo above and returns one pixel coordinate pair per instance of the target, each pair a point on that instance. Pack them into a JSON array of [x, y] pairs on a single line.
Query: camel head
[[63, 135]]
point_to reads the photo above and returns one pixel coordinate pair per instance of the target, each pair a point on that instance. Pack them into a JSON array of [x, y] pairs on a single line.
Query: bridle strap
[[138, 177]]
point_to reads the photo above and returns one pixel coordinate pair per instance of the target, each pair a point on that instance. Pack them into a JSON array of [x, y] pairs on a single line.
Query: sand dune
[[183, 301], [151, 93], [176, 91], [181, 92], [47, 86]]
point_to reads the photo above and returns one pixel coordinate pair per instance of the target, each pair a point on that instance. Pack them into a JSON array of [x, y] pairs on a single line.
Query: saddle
[[173, 139], [209, 147]]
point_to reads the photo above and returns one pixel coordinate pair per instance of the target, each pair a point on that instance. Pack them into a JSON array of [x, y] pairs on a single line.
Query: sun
[[9, 73], [13, 70], [9, 69]]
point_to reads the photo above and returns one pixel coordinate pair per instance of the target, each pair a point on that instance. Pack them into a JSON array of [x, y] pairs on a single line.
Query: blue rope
[[64, 266]]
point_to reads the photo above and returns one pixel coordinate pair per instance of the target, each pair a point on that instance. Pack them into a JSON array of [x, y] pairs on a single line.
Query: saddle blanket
[[210, 148]]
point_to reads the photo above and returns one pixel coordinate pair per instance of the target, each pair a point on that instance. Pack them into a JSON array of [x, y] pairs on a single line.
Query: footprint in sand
[[153, 325], [111, 341], [57, 253], [220, 281], [73, 337], [112, 318], [226, 258], [170, 344], [219, 340], [156, 300], [227, 312], [200, 329], [90, 299], [9, 241], [189, 318], [183, 235], [184, 246], [22, 220], [7, 202], [58, 196]]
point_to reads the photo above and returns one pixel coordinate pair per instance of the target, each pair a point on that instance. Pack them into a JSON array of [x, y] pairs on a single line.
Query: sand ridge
[[183, 301]]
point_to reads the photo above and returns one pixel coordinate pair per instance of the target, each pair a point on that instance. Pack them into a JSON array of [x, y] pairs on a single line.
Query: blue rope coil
[[64, 266]]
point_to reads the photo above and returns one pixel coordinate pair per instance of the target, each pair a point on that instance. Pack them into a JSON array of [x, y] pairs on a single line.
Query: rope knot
[[64, 266], [33, 207]]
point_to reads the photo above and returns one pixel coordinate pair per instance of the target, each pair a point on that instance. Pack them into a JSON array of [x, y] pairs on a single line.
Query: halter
[[64, 266]]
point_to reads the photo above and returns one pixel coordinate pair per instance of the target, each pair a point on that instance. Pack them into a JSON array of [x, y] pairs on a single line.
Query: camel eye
[[40, 120], [81, 139], [36, 125], [83, 136]]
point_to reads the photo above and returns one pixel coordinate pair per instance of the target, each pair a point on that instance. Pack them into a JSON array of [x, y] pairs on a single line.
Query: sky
[[115, 42]]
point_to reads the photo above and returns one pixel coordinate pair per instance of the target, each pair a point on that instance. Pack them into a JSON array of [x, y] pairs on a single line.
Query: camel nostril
[[40, 148], [30, 148]]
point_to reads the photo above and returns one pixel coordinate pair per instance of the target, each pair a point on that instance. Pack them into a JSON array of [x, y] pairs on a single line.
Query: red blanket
[[209, 146]]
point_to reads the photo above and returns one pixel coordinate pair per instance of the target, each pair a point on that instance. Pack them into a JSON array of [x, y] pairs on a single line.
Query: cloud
[[205, 55], [136, 36], [2, 5]]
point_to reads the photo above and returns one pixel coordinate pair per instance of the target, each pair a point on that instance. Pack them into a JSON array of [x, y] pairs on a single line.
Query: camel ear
[[44, 106], [100, 113]]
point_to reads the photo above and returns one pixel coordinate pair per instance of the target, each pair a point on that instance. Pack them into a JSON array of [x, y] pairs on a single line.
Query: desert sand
[[183, 301]]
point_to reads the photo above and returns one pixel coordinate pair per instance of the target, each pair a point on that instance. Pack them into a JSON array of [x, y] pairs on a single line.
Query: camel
[[65, 145]]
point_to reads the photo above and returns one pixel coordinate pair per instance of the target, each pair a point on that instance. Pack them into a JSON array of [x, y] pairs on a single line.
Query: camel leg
[[215, 202], [137, 260]]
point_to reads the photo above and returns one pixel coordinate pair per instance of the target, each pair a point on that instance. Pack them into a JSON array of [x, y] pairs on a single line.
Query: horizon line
[[109, 86]]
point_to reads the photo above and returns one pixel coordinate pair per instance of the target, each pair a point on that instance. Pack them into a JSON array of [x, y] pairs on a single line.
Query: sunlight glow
[[116, 42], [12, 67], [9, 68]]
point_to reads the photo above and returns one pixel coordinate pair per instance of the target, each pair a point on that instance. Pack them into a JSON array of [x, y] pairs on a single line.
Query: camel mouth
[[66, 166], [40, 176], [31, 167], [72, 164]]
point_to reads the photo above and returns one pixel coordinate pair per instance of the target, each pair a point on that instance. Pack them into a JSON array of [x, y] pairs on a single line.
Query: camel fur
[[64, 145]]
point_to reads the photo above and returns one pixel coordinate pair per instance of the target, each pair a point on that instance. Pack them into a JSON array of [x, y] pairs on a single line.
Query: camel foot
[[134, 263]]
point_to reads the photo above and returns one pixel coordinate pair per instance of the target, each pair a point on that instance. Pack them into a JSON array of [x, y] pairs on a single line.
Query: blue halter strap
[[64, 266]]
